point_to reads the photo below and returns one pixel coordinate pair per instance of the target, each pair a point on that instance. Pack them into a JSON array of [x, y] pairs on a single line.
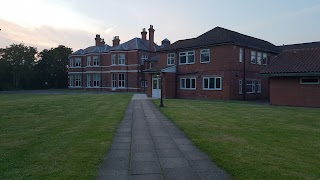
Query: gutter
[[288, 74]]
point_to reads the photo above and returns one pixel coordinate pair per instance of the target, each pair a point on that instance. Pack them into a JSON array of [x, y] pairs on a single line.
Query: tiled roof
[[295, 61], [134, 44], [300, 46], [218, 36], [92, 50]]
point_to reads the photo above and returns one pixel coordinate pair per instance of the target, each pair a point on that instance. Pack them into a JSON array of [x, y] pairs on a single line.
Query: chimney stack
[[144, 34], [102, 42], [98, 40], [151, 38], [116, 41]]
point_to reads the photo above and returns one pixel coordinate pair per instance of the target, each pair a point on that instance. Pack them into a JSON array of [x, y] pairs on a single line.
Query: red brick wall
[[224, 62], [168, 85], [289, 92]]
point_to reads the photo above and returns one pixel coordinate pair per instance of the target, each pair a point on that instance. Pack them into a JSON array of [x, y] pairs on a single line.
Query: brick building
[[219, 64], [112, 68], [295, 76]]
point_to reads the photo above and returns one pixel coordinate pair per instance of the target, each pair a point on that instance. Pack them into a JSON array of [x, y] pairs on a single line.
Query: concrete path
[[149, 146]]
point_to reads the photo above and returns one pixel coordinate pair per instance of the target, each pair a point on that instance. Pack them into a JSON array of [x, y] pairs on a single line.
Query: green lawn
[[57, 136], [252, 141]]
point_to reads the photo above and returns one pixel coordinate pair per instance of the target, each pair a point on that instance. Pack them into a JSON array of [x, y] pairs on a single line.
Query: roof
[[295, 61], [92, 50], [300, 46], [219, 36], [134, 44]]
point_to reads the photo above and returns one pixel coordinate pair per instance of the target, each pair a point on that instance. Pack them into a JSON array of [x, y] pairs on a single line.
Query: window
[[96, 80], [78, 80], [78, 62], [113, 59], [88, 80], [259, 86], [143, 59], [264, 59], [259, 58], [71, 62], [240, 54], [250, 86], [121, 81], [240, 86], [186, 57], [71, 79], [88, 60], [170, 59], [188, 83], [309, 80], [150, 65], [253, 57], [144, 83], [114, 80], [96, 61], [204, 55], [212, 83], [121, 59]]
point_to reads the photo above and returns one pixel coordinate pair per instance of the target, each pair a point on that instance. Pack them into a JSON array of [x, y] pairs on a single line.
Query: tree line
[[23, 67]]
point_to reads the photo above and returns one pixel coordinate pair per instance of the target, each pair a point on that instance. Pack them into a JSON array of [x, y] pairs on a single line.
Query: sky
[[74, 23]]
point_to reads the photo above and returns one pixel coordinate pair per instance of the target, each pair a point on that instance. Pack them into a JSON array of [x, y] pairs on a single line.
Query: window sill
[[185, 63], [212, 89], [188, 89], [204, 62], [250, 92]]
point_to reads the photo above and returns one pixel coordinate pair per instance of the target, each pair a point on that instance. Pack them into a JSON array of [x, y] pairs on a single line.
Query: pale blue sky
[[74, 23]]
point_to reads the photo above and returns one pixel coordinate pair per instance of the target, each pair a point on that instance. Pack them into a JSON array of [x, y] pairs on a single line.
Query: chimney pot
[[116, 41], [98, 40], [144, 34]]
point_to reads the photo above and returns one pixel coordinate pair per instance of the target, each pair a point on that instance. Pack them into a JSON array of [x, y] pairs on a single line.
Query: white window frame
[[204, 52], [71, 81], [259, 58], [89, 60], [113, 59], [253, 59], [77, 81], [96, 80], [89, 80], [183, 83], [144, 83], [310, 83], [264, 59], [114, 80], [240, 86], [253, 86], [71, 62], [170, 58], [144, 58], [204, 84], [77, 62], [259, 86], [121, 80], [96, 61], [122, 59], [241, 55], [187, 54]]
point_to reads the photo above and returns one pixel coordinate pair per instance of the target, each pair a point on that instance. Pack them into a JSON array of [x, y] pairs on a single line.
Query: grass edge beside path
[[57, 136], [252, 141]]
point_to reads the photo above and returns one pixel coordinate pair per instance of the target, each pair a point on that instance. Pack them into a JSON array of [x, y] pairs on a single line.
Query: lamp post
[[161, 99]]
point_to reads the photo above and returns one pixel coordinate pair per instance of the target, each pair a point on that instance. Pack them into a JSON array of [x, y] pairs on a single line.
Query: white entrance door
[[156, 87]]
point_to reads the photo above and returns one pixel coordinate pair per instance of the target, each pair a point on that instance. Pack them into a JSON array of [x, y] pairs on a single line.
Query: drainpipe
[[244, 75], [177, 69]]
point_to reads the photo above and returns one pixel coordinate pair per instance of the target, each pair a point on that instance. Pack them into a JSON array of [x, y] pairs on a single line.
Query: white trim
[[185, 83], [215, 83], [187, 58], [304, 83], [170, 58], [253, 86], [253, 53], [241, 55], [201, 53]]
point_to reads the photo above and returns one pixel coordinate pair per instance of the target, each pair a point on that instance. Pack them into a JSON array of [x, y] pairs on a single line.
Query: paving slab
[[148, 146]]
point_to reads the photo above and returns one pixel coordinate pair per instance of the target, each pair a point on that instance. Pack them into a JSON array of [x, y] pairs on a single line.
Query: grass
[[252, 141], [57, 136]]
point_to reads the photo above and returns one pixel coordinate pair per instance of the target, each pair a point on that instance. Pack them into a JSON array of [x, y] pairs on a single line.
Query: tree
[[17, 62], [52, 67]]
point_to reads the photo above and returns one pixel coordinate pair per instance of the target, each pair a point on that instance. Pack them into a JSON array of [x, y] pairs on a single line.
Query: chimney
[[116, 41], [144, 34], [151, 38], [102, 42], [98, 40]]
